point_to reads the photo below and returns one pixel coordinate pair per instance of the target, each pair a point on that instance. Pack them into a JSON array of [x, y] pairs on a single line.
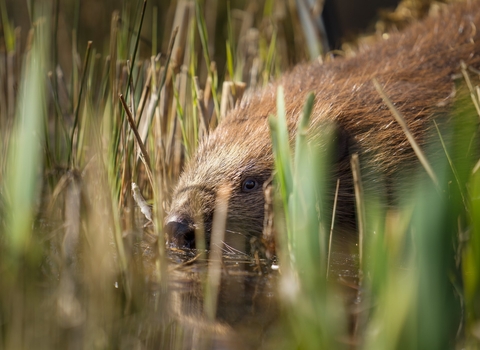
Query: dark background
[[91, 19]]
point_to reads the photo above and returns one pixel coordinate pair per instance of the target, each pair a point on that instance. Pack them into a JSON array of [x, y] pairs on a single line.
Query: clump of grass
[[315, 315]]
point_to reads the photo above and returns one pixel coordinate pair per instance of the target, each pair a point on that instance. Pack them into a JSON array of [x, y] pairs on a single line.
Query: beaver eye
[[249, 185]]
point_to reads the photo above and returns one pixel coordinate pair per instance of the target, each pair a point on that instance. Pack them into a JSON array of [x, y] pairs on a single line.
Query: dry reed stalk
[[145, 157], [360, 202], [466, 77], [401, 120], [201, 109], [232, 92], [72, 218], [216, 246], [146, 93], [331, 227], [361, 222], [463, 67], [209, 98]]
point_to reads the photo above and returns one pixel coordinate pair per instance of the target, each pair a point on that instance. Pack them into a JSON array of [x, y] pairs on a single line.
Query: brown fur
[[415, 67]]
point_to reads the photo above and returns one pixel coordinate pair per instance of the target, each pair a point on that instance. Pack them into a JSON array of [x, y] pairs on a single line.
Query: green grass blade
[[25, 160]]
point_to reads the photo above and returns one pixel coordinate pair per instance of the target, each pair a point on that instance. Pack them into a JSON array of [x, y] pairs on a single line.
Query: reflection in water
[[246, 307], [248, 312], [78, 310]]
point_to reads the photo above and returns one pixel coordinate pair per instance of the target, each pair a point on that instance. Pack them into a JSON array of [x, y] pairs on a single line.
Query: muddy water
[[247, 306], [249, 315], [169, 313]]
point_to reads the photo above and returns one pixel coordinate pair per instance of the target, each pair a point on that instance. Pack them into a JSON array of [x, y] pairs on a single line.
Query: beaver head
[[236, 155]]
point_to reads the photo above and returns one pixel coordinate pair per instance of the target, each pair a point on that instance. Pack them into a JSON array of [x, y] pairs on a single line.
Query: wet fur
[[415, 67]]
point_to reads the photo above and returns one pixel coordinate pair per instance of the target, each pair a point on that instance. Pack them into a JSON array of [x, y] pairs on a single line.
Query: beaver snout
[[181, 233]]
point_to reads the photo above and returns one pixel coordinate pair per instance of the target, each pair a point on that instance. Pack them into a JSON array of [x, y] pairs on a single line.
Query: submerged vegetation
[[81, 267]]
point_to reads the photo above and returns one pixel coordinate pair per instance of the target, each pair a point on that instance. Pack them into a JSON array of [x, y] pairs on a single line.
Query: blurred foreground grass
[[79, 271]]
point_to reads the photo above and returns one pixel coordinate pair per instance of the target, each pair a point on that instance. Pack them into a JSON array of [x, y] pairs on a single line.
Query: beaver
[[416, 68]]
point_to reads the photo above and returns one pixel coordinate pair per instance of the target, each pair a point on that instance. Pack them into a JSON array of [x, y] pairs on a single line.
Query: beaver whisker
[[236, 232], [230, 250]]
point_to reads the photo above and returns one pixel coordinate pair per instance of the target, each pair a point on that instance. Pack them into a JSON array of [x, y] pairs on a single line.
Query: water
[[249, 315], [76, 303]]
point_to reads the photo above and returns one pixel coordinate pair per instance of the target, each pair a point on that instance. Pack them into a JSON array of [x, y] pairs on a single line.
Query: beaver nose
[[181, 233]]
